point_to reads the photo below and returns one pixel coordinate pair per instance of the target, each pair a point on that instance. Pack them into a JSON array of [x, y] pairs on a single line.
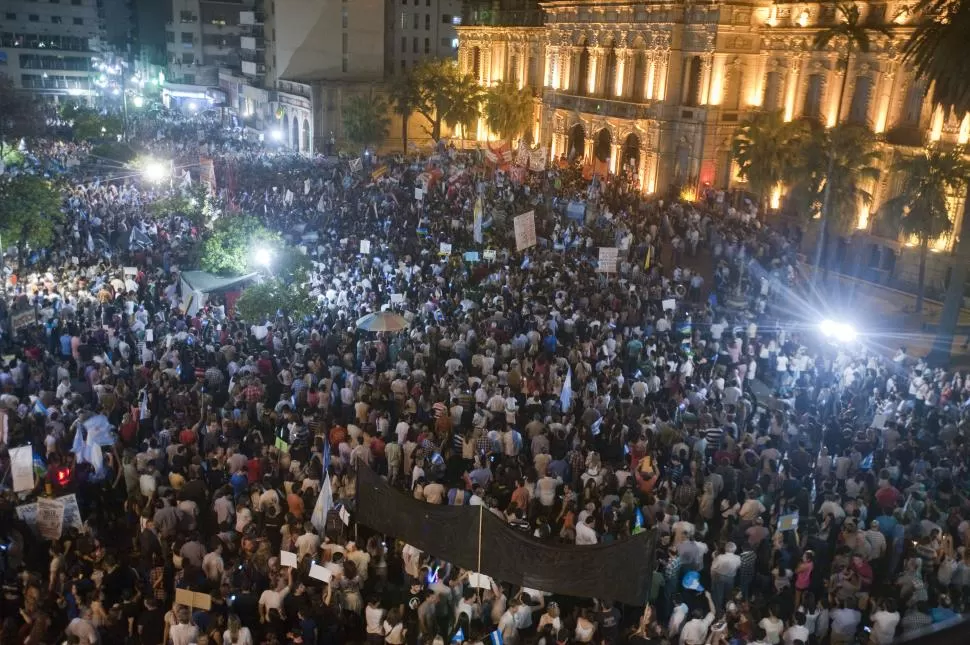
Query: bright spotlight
[[156, 171], [116, 91], [138, 101], [277, 135], [193, 106], [839, 332], [263, 257]]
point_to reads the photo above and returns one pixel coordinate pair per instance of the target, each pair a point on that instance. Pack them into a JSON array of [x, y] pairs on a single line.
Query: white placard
[[72, 514], [418, 194], [444, 249], [288, 559], [320, 573], [149, 335], [669, 304], [397, 298], [365, 247], [525, 230], [22, 465], [489, 254], [345, 515], [479, 581], [607, 259], [50, 518], [879, 421], [131, 272]]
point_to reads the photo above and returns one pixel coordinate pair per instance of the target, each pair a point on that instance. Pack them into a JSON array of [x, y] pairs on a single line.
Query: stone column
[[592, 73], [754, 93], [663, 65], [707, 67], [487, 65], [566, 68], [715, 95], [791, 87], [588, 149], [884, 91], [552, 56], [650, 79], [619, 85], [615, 150]]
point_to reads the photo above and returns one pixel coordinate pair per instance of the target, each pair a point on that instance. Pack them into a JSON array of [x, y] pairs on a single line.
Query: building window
[[188, 58], [427, 45], [343, 17], [404, 45], [404, 65], [33, 18], [10, 16], [414, 47], [170, 36], [446, 42], [427, 3], [344, 43], [427, 22], [417, 20], [187, 38], [445, 18], [56, 20], [79, 21], [404, 20], [344, 65]]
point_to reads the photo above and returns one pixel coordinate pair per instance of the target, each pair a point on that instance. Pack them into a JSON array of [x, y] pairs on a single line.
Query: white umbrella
[[382, 321]]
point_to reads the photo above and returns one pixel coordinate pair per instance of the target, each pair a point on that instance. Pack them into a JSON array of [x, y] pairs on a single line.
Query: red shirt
[[254, 470], [188, 436]]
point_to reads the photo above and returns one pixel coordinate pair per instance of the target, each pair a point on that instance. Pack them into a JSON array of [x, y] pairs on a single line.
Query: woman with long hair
[[236, 633]]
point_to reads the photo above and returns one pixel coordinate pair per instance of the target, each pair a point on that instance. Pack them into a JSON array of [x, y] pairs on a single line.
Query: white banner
[[444, 249], [22, 465], [365, 247], [50, 518], [525, 230], [608, 257], [418, 194]]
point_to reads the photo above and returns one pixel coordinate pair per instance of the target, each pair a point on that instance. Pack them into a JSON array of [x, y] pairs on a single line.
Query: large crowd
[[802, 492]]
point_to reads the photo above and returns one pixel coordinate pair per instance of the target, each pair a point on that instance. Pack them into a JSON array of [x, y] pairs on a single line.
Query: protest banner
[[365, 247], [607, 259], [525, 230], [22, 465], [50, 518]]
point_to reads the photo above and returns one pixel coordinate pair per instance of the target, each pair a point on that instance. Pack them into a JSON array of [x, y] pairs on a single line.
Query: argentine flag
[[495, 638]]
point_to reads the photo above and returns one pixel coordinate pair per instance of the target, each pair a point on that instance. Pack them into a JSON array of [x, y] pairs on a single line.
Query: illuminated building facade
[[663, 86]]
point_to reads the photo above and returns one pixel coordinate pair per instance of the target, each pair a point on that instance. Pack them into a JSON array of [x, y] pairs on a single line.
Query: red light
[[63, 476]]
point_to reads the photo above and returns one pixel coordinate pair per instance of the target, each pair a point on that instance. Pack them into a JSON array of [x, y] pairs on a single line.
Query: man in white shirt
[[724, 568], [585, 534], [798, 631], [308, 543], [695, 630]]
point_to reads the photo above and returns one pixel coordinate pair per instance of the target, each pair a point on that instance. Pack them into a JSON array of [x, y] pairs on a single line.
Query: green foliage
[[195, 204], [850, 150], [90, 125], [21, 116], [466, 104], [365, 120], [445, 94], [405, 96], [764, 149], [263, 300], [114, 151], [229, 250], [31, 208], [937, 51], [508, 110], [849, 31]]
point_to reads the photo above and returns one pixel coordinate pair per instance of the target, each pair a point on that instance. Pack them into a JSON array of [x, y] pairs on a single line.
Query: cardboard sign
[[345, 515], [320, 573], [418, 194], [397, 298], [788, 522], [525, 230], [131, 272], [23, 319], [193, 599], [669, 304], [365, 247], [607, 259], [288, 559], [50, 518], [489, 254], [22, 465], [149, 335], [479, 581], [444, 249], [471, 256]]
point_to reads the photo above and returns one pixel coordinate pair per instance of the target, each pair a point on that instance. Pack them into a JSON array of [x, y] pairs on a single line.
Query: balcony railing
[[250, 42], [250, 18], [478, 17], [601, 106]]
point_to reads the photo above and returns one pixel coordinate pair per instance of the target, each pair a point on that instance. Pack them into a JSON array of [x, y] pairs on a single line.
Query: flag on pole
[[323, 505], [459, 636], [477, 220], [649, 259], [495, 638], [566, 397]]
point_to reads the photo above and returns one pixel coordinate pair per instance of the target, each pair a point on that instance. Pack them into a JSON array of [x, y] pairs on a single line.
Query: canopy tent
[[197, 285]]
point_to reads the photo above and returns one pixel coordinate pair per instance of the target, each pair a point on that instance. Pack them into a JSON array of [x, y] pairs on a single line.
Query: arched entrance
[[603, 145], [295, 137], [286, 128], [577, 142], [630, 157], [306, 135]]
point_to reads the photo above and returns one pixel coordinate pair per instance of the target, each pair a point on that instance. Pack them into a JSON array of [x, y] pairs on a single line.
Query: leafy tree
[[31, 208], [508, 110], [466, 102], [91, 125], [764, 149], [365, 120], [229, 250], [846, 36], [405, 97], [446, 94], [937, 51], [195, 204], [920, 209], [839, 163], [21, 117], [263, 300]]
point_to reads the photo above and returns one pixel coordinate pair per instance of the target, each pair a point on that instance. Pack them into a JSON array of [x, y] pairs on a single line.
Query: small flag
[[323, 505], [566, 397], [459, 636], [281, 445], [495, 638]]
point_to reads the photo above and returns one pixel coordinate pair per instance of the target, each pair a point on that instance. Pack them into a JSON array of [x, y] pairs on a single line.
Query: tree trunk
[[924, 248], [404, 131], [953, 303]]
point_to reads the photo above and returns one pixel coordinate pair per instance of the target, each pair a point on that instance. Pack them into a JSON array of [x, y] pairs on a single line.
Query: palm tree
[[921, 207], [937, 50], [764, 150], [466, 97], [848, 35], [365, 120], [836, 166], [405, 97], [508, 110], [436, 80]]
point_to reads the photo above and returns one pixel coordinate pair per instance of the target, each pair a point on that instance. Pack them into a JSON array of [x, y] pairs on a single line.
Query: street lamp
[[138, 101], [277, 135], [263, 257], [837, 331], [156, 171]]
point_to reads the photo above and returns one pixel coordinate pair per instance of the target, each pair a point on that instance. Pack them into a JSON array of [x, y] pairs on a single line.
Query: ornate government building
[[664, 85]]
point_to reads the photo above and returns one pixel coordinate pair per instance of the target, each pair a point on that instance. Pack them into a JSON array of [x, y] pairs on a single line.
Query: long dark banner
[[619, 571]]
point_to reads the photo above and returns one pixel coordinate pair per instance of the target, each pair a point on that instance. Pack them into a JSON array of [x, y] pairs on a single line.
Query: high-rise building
[[201, 37], [418, 30], [664, 87], [47, 47]]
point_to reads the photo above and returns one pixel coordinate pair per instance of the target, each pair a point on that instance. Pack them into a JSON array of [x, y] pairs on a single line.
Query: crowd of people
[[801, 492]]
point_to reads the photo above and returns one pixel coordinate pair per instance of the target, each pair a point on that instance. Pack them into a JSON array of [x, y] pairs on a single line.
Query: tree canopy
[[764, 149], [234, 240], [445, 94], [508, 110], [21, 117], [365, 120], [262, 301], [31, 208]]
